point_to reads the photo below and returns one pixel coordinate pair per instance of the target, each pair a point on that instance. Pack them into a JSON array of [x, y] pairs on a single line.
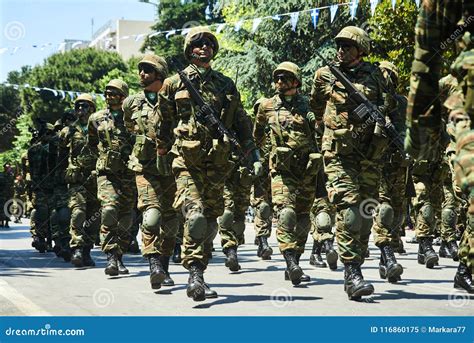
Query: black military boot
[[177, 253], [65, 252], [196, 285], [264, 250], [293, 270], [112, 264], [463, 279], [133, 248], [315, 259], [304, 277], [122, 270], [453, 250], [86, 257], [413, 240], [165, 262], [209, 293], [331, 254], [426, 254], [76, 258], [400, 248], [388, 266], [443, 250], [39, 244], [57, 248], [354, 283], [157, 273], [231, 261]]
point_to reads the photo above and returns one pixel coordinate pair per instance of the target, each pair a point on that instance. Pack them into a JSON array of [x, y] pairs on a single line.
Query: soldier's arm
[[92, 134], [63, 147], [166, 119], [127, 113], [319, 95], [260, 124]]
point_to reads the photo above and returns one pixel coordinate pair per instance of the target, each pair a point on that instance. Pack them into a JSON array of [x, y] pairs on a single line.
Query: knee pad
[[152, 219], [239, 228], [323, 221], [226, 220], [78, 218], [352, 219], [197, 226], [264, 211], [385, 215], [448, 217], [64, 216], [287, 219], [109, 216], [428, 214]]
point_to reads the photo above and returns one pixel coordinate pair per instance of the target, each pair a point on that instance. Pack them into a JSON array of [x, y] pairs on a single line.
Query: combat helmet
[[356, 35], [85, 97], [120, 85], [194, 34], [157, 62], [392, 68], [291, 68]]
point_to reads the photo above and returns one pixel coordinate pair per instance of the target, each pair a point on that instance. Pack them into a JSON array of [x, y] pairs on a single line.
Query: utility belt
[[286, 160], [194, 152], [110, 161]]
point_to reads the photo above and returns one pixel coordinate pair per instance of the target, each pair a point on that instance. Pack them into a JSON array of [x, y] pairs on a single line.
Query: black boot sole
[[267, 254], [168, 282], [77, 263], [295, 276], [232, 264], [429, 262], [318, 264], [123, 271], [463, 285], [331, 258], [197, 293], [156, 279], [364, 291], [394, 272], [111, 271]]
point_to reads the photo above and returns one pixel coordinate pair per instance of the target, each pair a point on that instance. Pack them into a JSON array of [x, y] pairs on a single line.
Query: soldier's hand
[[162, 151], [257, 168]]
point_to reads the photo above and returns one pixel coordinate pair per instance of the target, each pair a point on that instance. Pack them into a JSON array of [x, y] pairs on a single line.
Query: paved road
[[41, 284]]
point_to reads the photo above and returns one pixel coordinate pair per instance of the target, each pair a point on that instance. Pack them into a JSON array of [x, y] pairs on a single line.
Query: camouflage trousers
[[43, 205], [156, 191], [296, 192], [85, 214], [321, 205], [261, 201], [200, 189], [392, 192], [353, 183], [116, 194], [61, 216], [236, 202], [430, 181]]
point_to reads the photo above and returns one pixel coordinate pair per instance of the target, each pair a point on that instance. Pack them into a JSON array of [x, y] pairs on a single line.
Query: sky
[[25, 23]]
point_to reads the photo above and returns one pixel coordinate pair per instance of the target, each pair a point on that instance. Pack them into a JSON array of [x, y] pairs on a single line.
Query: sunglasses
[[345, 46], [111, 93], [283, 77], [147, 69], [199, 43], [84, 105]]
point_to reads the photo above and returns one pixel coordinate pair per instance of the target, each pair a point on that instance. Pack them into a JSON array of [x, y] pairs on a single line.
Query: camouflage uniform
[[424, 120], [156, 192], [6, 197], [82, 189], [201, 164], [352, 154], [294, 165], [19, 193], [108, 138]]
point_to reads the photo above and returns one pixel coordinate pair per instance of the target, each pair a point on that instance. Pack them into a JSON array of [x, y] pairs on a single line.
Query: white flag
[[256, 22], [333, 10], [294, 20]]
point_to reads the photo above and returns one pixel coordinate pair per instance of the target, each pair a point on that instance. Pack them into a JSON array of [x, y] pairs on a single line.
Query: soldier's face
[[113, 97], [347, 53], [203, 49], [148, 75], [285, 84]]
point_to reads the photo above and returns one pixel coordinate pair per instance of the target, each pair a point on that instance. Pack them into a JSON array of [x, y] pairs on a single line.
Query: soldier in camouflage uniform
[[82, 183], [6, 195], [392, 195], [202, 163], [294, 163], [41, 188], [19, 190], [352, 149], [424, 120], [108, 139], [155, 191], [236, 202]]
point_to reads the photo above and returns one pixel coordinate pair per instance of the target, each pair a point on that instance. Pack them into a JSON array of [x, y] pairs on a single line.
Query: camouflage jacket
[[177, 110], [109, 140], [41, 172], [330, 105]]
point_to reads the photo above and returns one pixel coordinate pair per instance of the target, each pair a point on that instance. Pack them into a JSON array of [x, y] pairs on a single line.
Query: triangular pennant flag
[[15, 50], [353, 8], [76, 45], [6, 84], [294, 19], [238, 25], [255, 24], [417, 2], [51, 90], [61, 92], [373, 5], [333, 10], [124, 37], [61, 46], [220, 27], [139, 37], [71, 94], [170, 33], [315, 16], [394, 2], [154, 34], [26, 85], [184, 32], [37, 89], [276, 17], [16, 87]]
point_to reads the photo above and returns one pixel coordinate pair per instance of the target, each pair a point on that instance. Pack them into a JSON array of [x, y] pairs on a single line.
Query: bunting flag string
[[56, 92], [255, 23]]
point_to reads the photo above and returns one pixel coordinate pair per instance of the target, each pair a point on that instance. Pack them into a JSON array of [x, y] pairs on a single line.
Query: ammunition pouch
[[421, 168], [283, 159], [74, 174], [220, 153], [110, 161], [245, 178], [315, 162], [144, 148], [191, 152], [344, 144]]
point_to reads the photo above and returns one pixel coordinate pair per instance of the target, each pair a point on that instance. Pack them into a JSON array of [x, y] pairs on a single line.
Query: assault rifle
[[366, 110]]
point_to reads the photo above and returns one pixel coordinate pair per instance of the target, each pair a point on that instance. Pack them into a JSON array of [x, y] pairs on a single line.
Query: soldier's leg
[[78, 207], [449, 220], [39, 220], [263, 217]]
